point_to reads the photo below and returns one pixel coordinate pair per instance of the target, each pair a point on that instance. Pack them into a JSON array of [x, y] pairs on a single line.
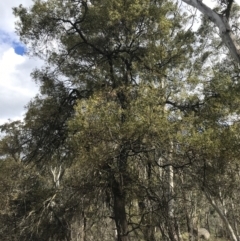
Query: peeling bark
[[221, 21]]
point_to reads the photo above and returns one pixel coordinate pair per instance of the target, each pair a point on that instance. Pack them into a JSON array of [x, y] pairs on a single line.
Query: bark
[[84, 233], [119, 182], [57, 175], [234, 218], [148, 225], [119, 211], [221, 21], [119, 196], [223, 217], [171, 209]]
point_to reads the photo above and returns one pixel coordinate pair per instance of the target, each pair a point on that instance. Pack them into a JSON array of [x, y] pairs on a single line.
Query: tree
[[106, 46]]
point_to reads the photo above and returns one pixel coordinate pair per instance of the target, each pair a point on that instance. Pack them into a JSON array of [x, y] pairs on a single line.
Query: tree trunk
[[119, 194], [234, 218], [172, 228], [222, 23], [148, 226], [119, 211], [223, 217]]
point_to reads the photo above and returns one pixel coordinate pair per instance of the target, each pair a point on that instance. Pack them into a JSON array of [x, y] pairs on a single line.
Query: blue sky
[[19, 48], [6, 38]]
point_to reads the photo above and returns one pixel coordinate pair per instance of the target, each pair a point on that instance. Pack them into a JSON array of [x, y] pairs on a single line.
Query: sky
[[16, 86]]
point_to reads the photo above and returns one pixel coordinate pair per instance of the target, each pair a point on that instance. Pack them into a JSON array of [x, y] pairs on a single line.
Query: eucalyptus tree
[[106, 48]]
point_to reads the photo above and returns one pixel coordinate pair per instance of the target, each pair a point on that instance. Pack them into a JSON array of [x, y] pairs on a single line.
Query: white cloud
[[16, 86], [6, 13], [237, 1], [212, 3]]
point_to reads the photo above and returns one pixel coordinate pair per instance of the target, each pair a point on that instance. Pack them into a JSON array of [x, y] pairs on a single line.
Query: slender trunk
[[119, 181], [223, 217], [84, 226], [119, 211], [170, 192], [171, 209], [148, 225], [207, 221], [119, 195], [164, 236]]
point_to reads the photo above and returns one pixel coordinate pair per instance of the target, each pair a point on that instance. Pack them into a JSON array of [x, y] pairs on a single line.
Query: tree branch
[[222, 23]]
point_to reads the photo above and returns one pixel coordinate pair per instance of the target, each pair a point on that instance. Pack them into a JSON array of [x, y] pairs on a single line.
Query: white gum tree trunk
[[222, 23], [222, 216]]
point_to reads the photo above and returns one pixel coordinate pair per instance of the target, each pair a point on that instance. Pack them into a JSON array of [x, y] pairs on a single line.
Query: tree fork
[[222, 22]]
